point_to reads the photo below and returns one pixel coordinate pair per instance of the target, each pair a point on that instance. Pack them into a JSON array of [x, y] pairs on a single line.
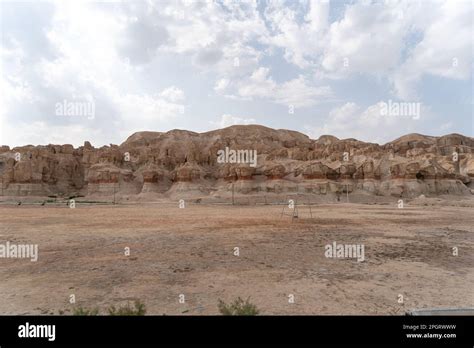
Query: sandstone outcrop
[[157, 164]]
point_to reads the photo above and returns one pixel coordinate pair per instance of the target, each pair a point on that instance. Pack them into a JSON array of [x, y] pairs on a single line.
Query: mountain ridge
[[178, 163]]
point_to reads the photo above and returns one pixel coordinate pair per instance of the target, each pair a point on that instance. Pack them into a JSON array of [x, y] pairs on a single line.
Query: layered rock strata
[[178, 162]]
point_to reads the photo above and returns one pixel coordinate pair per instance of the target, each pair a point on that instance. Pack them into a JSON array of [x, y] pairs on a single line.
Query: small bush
[[85, 311], [238, 307], [128, 310]]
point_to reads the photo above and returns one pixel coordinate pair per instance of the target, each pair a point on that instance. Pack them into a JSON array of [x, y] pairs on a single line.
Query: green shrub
[[238, 307], [128, 310], [85, 311], [137, 309]]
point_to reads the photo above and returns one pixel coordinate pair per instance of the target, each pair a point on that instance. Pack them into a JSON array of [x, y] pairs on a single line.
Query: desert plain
[[280, 262]]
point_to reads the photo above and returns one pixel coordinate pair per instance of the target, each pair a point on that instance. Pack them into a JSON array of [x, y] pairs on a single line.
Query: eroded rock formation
[[155, 164]]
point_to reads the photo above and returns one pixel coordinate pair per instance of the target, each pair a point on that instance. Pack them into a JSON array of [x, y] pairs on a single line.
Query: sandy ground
[[190, 251]]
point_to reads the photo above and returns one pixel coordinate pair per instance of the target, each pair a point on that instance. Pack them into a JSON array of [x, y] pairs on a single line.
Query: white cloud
[[445, 50], [89, 65], [229, 120], [221, 85], [143, 108], [302, 43], [136, 59], [351, 121], [377, 38], [259, 85], [368, 39], [214, 33], [172, 94], [41, 133], [297, 92]]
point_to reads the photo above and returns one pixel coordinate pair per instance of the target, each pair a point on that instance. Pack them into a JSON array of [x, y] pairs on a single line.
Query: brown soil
[[190, 251]]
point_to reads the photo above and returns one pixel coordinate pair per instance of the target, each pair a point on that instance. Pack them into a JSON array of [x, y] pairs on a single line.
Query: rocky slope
[[178, 163]]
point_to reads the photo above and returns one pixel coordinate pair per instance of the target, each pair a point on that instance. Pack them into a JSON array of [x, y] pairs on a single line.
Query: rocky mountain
[[179, 163]]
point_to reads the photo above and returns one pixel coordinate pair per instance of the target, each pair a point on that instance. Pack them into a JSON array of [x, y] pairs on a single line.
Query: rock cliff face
[[177, 163]]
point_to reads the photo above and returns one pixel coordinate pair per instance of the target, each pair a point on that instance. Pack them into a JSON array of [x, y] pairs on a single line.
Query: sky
[[73, 71]]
